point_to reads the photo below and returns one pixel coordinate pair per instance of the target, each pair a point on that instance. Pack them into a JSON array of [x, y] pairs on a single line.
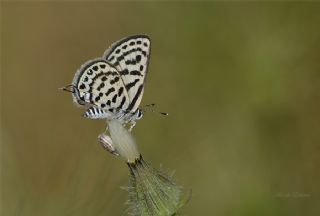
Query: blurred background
[[240, 81]]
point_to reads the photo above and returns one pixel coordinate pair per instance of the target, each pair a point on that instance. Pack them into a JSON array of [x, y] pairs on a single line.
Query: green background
[[240, 81]]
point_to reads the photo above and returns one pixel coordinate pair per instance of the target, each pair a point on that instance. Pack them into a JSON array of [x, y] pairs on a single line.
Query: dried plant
[[151, 192]]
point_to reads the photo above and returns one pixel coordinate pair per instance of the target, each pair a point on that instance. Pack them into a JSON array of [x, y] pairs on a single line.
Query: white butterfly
[[111, 87]]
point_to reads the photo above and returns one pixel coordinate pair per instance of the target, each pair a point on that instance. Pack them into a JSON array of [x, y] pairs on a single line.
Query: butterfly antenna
[[68, 88], [149, 108], [150, 105]]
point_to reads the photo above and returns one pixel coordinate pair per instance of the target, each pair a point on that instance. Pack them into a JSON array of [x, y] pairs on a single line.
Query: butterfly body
[[123, 116], [111, 87]]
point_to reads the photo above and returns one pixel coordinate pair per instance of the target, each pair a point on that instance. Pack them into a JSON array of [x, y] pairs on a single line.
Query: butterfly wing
[[99, 84], [130, 56]]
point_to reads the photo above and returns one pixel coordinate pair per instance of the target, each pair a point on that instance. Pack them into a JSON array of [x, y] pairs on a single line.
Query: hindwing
[[100, 84]]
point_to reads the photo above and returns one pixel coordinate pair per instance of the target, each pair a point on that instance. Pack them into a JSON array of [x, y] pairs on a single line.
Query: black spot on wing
[[82, 86], [95, 68], [132, 84], [131, 62], [135, 98], [100, 86], [120, 91], [135, 73], [124, 72], [138, 58], [113, 73], [90, 72], [97, 99], [110, 90], [122, 102], [114, 98], [116, 79]]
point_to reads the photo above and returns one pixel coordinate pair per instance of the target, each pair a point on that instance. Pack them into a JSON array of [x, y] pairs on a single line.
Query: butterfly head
[[76, 94]]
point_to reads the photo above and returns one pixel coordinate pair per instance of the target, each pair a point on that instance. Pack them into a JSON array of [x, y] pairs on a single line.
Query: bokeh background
[[240, 81]]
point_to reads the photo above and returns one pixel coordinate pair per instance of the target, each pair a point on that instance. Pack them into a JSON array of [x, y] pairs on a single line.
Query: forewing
[[130, 56], [100, 85]]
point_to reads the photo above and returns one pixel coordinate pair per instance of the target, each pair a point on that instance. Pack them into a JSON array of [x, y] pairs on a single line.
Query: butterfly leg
[[106, 143], [131, 125], [107, 128]]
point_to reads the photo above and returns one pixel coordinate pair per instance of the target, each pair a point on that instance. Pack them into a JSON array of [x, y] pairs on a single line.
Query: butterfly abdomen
[[95, 113]]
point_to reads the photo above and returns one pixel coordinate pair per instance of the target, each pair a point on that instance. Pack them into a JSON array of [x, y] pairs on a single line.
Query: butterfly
[[111, 87]]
